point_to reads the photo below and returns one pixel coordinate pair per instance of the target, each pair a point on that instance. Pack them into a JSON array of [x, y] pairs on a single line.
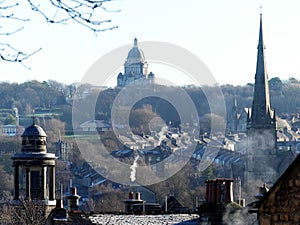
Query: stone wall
[[281, 205]]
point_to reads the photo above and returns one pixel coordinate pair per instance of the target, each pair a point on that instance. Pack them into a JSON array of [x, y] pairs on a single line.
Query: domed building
[[35, 169], [135, 68]]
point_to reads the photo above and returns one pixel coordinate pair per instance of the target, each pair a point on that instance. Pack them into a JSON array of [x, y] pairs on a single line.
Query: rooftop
[[187, 219]]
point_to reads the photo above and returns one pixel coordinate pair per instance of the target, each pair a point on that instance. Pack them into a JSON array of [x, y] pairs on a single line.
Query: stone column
[[52, 183], [28, 185], [43, 187], [16, 183]]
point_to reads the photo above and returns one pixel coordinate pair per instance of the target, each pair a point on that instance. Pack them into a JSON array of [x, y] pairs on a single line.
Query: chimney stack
[[59, 204], [138, 196], [73, 199], [219, 190]]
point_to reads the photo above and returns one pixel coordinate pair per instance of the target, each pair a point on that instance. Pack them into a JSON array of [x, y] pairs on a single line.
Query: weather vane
[[260, 8]]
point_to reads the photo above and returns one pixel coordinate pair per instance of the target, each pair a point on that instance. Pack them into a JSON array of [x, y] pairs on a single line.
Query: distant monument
[[135, 68], [35, 169]]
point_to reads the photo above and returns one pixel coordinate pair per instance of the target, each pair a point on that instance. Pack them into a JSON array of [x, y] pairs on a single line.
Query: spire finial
[[135, 42], [33, 117], [260, 9]]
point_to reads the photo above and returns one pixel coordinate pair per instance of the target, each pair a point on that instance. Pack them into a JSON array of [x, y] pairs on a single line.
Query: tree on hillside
[[293, 80], [63, 174], [54, 129], [87, 13], [110, 141], [9, 145], [6, 187], [184, 191], [275, 84], [31, 95], [139, 119], [105, 198], [209, 120]]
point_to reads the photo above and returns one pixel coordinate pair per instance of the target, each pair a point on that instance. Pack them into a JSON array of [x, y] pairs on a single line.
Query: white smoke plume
[[239, 217], [133, 168], [161, 134]]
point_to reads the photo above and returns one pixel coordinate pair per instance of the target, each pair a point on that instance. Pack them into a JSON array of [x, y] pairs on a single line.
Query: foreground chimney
[[138, 196], [219, 190], [131, 201], [73, 199], [59, 204]]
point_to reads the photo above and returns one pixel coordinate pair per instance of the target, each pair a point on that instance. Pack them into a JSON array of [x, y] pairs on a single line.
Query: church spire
[[261, 109]]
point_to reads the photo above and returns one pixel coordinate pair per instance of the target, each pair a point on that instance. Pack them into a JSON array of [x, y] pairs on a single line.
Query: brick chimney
[[219, 190]]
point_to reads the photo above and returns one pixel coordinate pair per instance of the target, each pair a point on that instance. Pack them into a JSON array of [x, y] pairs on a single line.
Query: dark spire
[[235, 114], [33, 117], [261, 109]]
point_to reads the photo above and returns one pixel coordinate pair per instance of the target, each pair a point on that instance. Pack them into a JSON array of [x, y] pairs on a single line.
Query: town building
[[9, 130], [135, 68], [94, 126]]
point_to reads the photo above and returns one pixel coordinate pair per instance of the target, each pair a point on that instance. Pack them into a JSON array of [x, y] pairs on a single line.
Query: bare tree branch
[[12, 32], [87, 13], [84, 12], [11, 54], [7, 6]]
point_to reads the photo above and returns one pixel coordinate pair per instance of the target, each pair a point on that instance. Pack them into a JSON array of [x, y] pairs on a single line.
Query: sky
[[223, 34]]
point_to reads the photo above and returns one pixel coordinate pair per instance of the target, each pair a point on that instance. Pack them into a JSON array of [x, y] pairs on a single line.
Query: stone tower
[[135, 67], [261, 125], [35, 169]]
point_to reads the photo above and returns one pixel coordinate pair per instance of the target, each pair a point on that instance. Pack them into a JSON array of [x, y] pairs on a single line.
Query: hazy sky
[[222, 33]]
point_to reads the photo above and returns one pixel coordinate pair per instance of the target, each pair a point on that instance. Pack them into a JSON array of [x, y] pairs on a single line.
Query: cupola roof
[[34, 131], [135, 55]]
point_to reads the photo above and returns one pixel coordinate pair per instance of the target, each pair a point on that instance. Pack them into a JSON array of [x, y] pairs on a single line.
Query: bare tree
[[25, 212], [87, 13]]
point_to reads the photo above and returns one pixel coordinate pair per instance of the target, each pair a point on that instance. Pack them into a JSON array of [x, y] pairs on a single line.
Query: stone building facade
[[135, 68]]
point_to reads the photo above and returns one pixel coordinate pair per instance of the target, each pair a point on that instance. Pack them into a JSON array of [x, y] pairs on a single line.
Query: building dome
[[34, 131], [135, 55], [34, 139]]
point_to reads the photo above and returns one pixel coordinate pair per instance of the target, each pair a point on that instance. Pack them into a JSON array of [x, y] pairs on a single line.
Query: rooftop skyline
[[223, 34]]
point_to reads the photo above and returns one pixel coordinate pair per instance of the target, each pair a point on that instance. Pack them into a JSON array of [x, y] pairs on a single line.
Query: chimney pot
[[130, 195], [59, 204], [138, 195]]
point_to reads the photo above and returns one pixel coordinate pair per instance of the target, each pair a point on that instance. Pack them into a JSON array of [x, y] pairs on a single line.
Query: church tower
[[261, 125], [233, 118], [34, 177]]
